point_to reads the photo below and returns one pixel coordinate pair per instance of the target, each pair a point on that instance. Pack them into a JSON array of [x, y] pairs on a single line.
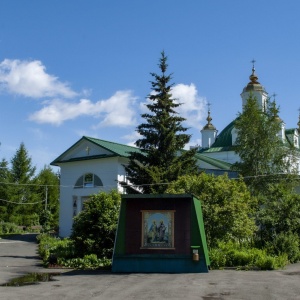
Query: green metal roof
[[122, 150], [214, 162], [116, 149], [224, 139]]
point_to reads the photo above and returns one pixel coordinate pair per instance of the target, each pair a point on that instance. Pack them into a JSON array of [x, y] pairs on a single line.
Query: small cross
[[208, 105], [253, 61], [274, 95]]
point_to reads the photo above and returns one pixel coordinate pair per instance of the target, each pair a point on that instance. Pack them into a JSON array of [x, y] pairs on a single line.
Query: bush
[[288, 243], [7, 228], [56, 251], [51, 248], [90, 262], [25, 220], [228, 207], [94, 228], [234, 255]]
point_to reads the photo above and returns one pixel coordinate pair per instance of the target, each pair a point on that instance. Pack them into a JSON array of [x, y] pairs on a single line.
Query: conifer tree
[[21, 192], [161, 158], [4, 179]]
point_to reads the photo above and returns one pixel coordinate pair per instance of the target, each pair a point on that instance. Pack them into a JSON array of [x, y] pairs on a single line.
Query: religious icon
[[158, 229]]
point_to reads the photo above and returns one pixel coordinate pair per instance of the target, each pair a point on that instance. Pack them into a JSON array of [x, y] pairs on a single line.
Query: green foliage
[[46, 219], [88, 262], [234, 255], [61, 252], [22, 194], [47, 189], [94, 228], [6, 228], [4, 179], [51, 248], [287, 243], [260, 149], [20, 191], [228, 207], [22, 170], [27, 220], [92, 240], [161, 159], [279, 213]]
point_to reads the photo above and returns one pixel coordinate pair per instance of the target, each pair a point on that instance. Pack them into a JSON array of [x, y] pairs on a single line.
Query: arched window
[[88, 180]]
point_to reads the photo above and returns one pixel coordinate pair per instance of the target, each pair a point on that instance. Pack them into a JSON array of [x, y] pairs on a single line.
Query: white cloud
[[118, 110], [29, 79], [132, 138], [192, 106]]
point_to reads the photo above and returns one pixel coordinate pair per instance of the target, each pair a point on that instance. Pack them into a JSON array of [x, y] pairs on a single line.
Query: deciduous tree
[[264, 155], [228, 208]]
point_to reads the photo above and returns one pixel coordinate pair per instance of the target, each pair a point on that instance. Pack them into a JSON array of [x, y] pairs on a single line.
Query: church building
[[92, 165], [220, 146]]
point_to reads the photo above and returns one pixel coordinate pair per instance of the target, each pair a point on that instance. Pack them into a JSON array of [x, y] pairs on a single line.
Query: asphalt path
[[18, 256]]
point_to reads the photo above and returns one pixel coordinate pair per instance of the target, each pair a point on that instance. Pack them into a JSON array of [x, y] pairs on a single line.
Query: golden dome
[[209, 126]]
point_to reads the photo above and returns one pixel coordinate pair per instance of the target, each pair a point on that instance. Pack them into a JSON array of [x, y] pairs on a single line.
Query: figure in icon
[[161, 229], [156, 232], [153, 232]]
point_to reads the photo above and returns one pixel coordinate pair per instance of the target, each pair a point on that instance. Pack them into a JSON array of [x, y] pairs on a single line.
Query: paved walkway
[[18, 256]]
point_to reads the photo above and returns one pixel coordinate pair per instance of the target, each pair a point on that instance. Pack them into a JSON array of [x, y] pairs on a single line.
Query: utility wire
[[140, 185], [23, 203]]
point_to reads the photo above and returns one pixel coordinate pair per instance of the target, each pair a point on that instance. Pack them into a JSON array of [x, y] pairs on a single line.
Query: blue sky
[[74, 68]]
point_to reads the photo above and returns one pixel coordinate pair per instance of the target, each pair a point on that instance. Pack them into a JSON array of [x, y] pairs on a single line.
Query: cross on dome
[[253, 77]]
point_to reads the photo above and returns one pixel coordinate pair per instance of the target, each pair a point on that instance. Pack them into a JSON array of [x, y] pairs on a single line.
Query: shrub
[[94, 228], [6, 228], [56, 251], [51, 248], [234, 255], [288, 243], [90, 262]]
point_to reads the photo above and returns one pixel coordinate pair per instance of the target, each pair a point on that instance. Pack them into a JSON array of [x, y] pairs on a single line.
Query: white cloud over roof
[[29, 79]]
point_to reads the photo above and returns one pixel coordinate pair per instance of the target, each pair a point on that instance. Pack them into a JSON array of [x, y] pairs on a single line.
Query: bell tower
[[256, 89], [209, 132]]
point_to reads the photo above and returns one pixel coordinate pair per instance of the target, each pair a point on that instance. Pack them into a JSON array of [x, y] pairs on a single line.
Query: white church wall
[[226, 156], [106, 169]]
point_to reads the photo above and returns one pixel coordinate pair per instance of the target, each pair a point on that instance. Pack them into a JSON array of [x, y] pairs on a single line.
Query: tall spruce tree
[[21, 192], [264, 155], [161, 158]]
